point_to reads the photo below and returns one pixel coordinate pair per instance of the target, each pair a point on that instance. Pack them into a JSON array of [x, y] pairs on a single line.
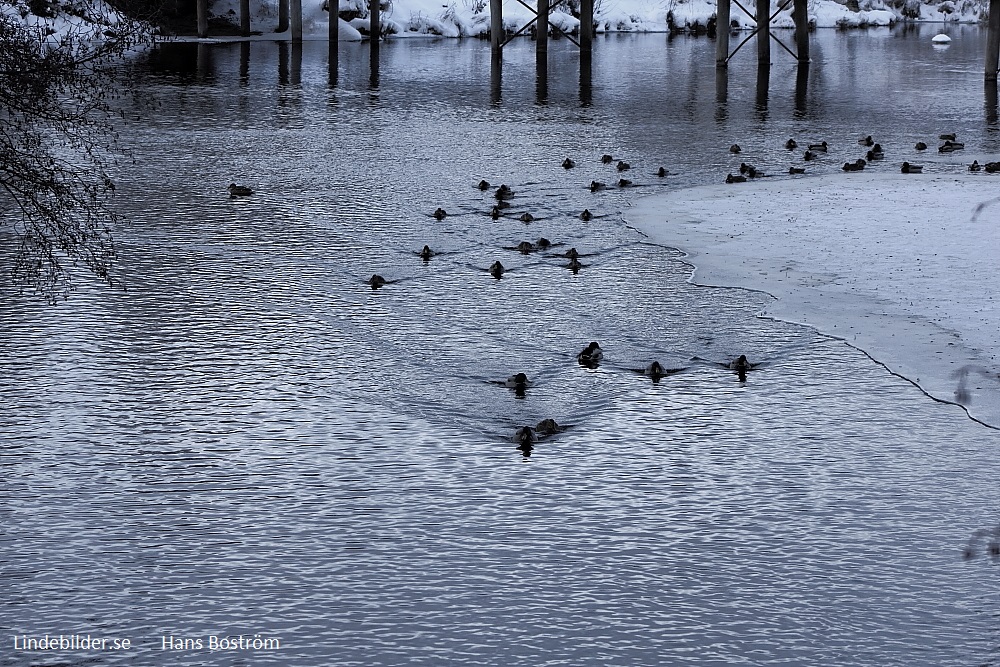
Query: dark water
[[251, 440]]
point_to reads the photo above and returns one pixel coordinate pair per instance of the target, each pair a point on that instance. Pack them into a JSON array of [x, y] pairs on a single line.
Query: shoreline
[[893, 265]]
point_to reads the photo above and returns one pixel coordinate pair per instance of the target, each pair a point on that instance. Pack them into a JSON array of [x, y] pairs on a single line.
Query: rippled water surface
[[251, 440]]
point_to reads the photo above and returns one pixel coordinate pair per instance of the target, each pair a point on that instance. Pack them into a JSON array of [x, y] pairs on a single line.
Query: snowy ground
[[900, 266]]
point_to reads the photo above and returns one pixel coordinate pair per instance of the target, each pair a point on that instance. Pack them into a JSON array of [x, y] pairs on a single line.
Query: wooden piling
[[586, 78], [282, 16], [542, 30], [586, 25], [993, 41], [295, 7], [763, 32], [801, 88], [296, 68], [373, 15], [245, 18], [333, 33], [496, 78], [800, 16], [722, 33], [496, 25], [202, 18]]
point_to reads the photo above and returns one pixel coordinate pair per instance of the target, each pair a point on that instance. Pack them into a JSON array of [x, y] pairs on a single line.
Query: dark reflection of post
[[586, 78], [373, 64], [496, 78], [203, 62], [244, 64], [334, 62], [991, 102], [282, 63], [763, 82], [721, 93], [541, 81], [801, 89], [296, 69]]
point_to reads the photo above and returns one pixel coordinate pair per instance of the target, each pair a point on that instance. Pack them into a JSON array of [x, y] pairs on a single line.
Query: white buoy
[[941, 39]]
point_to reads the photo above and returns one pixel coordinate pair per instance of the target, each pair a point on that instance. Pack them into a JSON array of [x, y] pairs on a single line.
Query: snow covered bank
[[899, 266], [464, 18]]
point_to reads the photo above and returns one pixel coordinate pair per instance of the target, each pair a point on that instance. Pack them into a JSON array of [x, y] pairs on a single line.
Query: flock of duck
[[874, 153]]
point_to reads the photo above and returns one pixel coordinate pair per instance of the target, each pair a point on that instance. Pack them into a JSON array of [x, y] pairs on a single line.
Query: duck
[[503, 192], [857, 165], [750, 171], [426, 253], [524, 436], [912, 168], [991, 167], [735, 179], [947, 137], [526, 217], [949, 146], [574, 265], [586, 216], [821, 147], [543, 243], [867, 141], [496, 269], [607, 159], [495, 212], [874, 155], [796, 170], [548, 427], [597, 185], [920, 146], [661, 172], [591, 354], [525, 247], [791, 144], [239, 190], [440, 214], [809, 155], [655, 370], [484, 185], [572, 253], [735, 148], [975, 166], [517, 381], [376, 281], [740, 364], [623, 166], [568, 164], [624, 183]]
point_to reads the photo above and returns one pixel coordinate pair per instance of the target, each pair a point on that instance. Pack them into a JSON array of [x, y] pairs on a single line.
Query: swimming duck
[[791, 144], [975, 166], [796, 170], [426, 253], [857, 165], [496, 269], [821, 147], [543, 243], [518, 381], [586, 216], [607, 159], [950, 146], [735, 148], [921, 146], [591, 354], [495, 212], [524, 436], [440, 214], [661, 172], [624, 183], [736, 179], [526, 217], [740, 364], [874, 155], [597, 185], [912, 168], [568, 164], [484, 185], [574, 265], [239, 190], [525, 247], [867, 141], [623, 166], [750, 171], [572, 253], [655, 370], [548, 427], [947, 137], [376, 281], [503, 192], [991, 167], [809, 155]]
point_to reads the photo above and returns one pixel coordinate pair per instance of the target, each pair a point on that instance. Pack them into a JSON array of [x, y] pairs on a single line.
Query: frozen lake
[[251, 440]]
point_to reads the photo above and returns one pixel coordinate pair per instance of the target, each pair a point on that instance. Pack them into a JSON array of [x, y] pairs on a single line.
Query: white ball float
[[941, 39]]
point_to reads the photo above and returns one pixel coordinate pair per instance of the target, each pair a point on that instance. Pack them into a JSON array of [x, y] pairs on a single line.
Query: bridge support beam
[[245, 18], [587, 25], [993, 41], [800, 15], [202, 18], [496, 26], [763, 32], [722, 19], [373, 26], [542, 31], [295, 13], [282, 16]]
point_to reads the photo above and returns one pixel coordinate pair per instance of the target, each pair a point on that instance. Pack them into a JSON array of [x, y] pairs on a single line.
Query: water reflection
[[586, 78], [541, 81], [763, 84], [990, 102], [801, 88]]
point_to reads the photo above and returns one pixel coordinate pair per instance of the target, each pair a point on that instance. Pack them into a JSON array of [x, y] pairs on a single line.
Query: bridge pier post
[[244, 18], [722, 33], [373, 24], [496, 26], [542, 31], [202, 18], [800, 15], [764, 32], [282, 16], [295, 12], [993, 41], [587, 25]]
